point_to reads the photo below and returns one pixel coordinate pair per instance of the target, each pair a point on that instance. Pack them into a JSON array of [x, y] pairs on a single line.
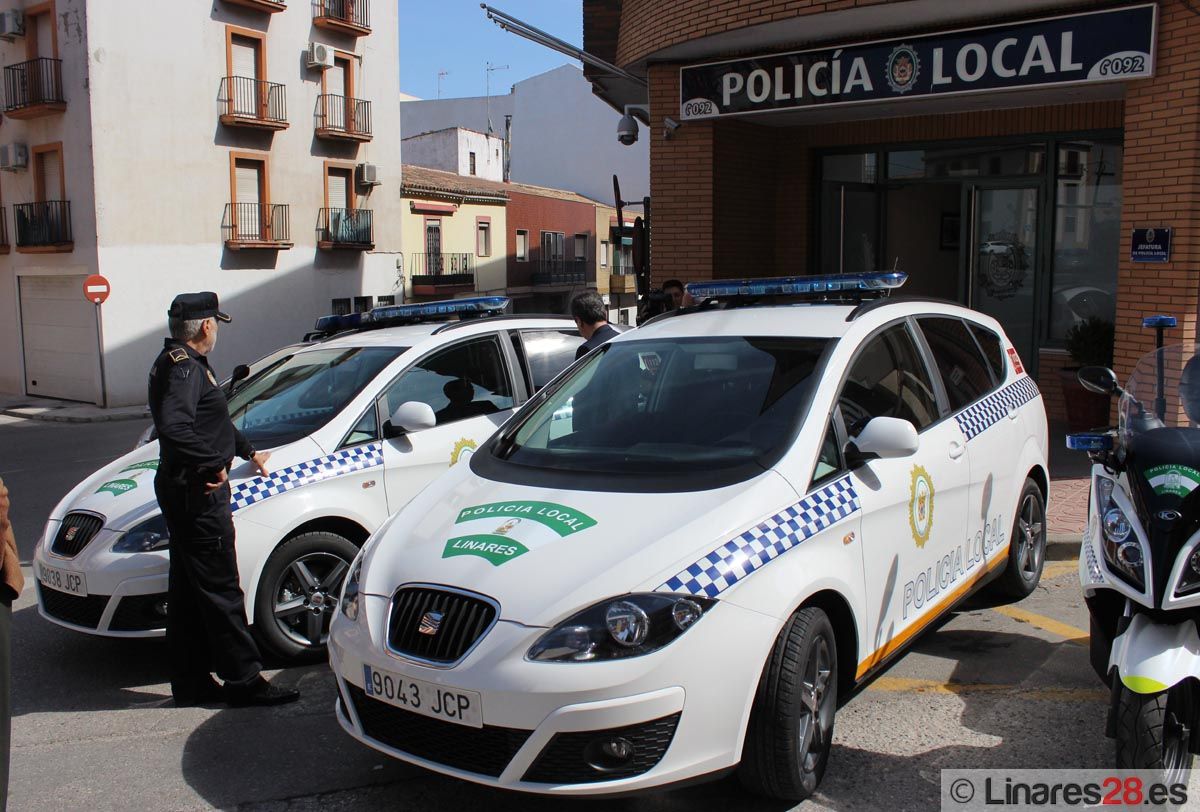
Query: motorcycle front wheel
[[1153, 731]]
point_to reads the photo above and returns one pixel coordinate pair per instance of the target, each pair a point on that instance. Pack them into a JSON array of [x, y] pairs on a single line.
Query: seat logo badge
[[430, 623], [920, 505], [903, 68], [70, 534]]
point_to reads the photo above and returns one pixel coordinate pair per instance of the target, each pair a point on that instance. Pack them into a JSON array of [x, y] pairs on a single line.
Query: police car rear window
[[302, 394], [662, 407]]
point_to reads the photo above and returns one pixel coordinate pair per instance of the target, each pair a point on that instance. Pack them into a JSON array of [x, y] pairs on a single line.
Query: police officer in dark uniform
[[206, 615]]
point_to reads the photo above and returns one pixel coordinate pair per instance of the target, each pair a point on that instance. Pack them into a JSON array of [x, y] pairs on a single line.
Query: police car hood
[[123, 491], [543, 554]]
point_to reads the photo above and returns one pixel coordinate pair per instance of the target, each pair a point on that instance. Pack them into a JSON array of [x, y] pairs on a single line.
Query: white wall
[[563, 136], [435, 150], [489, 155], [162, 177]]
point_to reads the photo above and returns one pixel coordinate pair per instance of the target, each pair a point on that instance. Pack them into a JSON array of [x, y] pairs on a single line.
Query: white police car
[[745, 512], [356, 424]]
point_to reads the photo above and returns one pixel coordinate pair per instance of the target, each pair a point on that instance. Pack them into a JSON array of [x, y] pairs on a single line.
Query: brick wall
[[535, 214], [1162, 187], [745, 164]]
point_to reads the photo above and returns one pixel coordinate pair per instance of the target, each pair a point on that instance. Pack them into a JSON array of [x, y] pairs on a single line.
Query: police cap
[[203, 305]]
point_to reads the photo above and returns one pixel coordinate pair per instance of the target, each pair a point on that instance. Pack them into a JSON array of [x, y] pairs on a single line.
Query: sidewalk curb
[[50, 417]]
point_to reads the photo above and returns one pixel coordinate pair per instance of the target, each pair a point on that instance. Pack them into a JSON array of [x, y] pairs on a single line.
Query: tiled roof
[[420, 178]]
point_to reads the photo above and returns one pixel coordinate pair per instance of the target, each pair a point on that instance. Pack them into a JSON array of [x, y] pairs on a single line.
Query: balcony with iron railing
[[34, 88], [561, 272], [346, 228], [5, 246], [441, 273], [269, 6], [256, 225], [246, 102], [44, 227], [347, 16], [343, 118]]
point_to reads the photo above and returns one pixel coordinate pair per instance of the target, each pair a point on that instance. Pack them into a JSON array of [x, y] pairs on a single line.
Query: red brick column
[[1162, 188], [681, 186]]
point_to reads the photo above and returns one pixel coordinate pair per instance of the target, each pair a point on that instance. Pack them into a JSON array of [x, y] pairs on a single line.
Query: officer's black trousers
[[206, 610]]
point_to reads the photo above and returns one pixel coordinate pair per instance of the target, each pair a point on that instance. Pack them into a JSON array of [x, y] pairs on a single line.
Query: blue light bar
[[475, 306], [333, 324], [793, 285], [1090, 442], [1159, 321]]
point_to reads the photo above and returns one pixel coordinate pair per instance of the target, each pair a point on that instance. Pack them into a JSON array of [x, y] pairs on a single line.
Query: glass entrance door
[[1003, 259]]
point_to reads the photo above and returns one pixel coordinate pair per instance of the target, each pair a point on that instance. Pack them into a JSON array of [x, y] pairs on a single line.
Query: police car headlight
[[626, 626], [349, 602], [146, 537]]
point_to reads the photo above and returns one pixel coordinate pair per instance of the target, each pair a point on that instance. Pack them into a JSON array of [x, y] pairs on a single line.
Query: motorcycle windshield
[[1160, 425]]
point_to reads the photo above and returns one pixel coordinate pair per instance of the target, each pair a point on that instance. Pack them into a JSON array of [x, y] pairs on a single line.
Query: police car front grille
[[566, 758], [74, 609], [464, 619], [486, 750], [81, 527]]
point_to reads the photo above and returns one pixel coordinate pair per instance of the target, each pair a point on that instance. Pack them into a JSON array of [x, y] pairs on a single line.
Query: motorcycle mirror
[[1101, 380], [240, 373]]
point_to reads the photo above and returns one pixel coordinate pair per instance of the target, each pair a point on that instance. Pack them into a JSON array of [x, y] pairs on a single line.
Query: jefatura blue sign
[[1100, 46]]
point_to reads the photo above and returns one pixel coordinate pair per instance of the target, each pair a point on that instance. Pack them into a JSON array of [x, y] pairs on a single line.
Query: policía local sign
[[1100, 46]]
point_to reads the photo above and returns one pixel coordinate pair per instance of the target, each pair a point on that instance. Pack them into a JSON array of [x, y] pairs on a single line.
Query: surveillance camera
[[627, 130]]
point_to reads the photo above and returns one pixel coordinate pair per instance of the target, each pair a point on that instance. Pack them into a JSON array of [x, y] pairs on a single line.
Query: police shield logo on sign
[[430, 623], [903, 68]]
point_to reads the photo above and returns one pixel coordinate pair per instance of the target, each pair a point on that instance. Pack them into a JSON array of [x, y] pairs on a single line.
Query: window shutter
[[51, 176], [245, 57], [248, 175], [338, 198]]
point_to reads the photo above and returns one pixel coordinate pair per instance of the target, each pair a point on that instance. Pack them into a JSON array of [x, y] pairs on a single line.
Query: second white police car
[[685, 551], [356, 424]]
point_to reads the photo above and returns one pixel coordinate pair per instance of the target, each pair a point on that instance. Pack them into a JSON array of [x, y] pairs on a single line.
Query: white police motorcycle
[[1140, 560]]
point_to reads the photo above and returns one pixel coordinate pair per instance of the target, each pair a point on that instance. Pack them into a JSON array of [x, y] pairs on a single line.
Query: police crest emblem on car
[[430, 623]]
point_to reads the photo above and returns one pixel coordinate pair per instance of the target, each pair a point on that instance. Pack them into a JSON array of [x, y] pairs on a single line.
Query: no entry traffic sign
[[96, 289]]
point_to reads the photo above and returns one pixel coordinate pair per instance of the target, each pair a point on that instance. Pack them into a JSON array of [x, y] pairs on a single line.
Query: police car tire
[[771, 764], [1013, 583], [265, 626]]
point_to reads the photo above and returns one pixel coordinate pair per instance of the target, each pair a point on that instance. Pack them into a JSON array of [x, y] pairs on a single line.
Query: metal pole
[[100, 346]]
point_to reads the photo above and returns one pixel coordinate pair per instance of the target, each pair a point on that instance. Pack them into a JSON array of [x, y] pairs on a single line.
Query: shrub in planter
[[1090, 343]]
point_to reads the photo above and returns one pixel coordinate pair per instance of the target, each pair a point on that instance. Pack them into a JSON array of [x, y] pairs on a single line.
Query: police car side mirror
[[883, 438], [412, 415], [240, 373]]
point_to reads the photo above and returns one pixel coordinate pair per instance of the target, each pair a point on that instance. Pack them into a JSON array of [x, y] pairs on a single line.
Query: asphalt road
[[94, 726]]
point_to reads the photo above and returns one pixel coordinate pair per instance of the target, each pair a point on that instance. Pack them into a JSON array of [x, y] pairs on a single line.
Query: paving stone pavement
[[1067, 514]]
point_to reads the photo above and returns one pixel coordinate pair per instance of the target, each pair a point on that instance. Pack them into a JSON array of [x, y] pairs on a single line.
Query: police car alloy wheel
[[674, 560], [301, 584], [1027, 553]]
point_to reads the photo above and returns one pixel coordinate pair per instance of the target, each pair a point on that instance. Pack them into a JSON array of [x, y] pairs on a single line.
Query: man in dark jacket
[[591, 317], [206, 613]]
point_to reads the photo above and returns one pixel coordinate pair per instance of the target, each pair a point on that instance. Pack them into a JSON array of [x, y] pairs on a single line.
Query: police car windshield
[[304, 392], [658, 407]]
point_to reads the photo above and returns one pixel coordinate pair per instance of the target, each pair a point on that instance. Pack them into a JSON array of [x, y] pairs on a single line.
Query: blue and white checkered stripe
[[975, 419], [342, 462], [740, 556]]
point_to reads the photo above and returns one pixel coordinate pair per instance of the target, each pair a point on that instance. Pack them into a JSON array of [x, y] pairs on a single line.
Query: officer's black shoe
[[208, 692], [259, 692]]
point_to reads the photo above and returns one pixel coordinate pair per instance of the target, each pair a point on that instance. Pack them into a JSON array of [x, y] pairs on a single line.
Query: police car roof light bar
[[394, 315], [856, 283]]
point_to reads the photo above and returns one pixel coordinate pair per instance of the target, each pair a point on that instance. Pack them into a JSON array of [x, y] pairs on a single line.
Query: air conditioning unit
[[12, 24], [319, 56], [13, 157], [368, 175]]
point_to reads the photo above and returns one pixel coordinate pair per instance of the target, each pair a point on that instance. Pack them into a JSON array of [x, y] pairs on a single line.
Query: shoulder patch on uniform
[[178, 356]]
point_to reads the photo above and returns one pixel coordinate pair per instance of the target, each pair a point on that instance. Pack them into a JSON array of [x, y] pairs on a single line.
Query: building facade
[[562, 135], [1024, 159], [260, 161], [459, 150]]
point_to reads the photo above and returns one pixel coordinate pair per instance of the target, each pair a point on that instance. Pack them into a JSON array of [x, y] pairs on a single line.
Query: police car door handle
[[956, 450], [1012, 414]]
